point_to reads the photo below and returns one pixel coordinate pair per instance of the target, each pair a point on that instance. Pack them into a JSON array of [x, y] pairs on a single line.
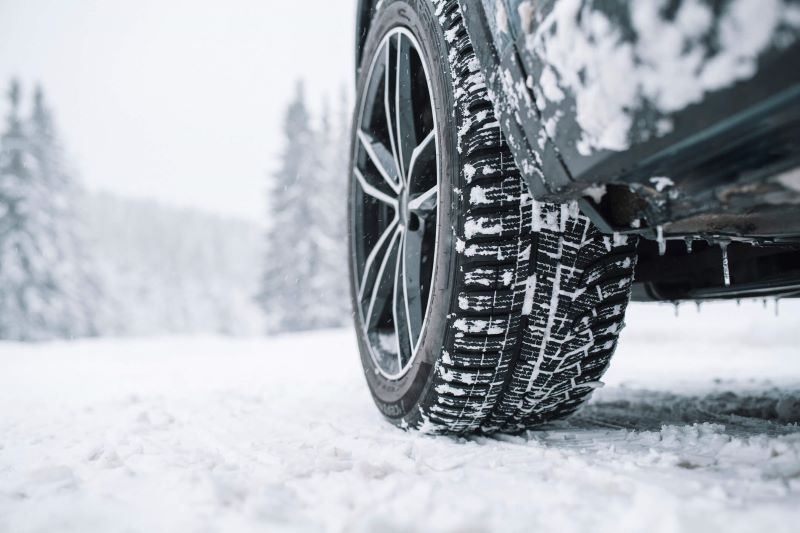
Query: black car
[[521, 169]]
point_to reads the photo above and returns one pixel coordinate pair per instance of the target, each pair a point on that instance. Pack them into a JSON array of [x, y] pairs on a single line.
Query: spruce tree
[[330, 207], [21, 303], [292, 251], [44, 293], [75, 273], [321, 210]]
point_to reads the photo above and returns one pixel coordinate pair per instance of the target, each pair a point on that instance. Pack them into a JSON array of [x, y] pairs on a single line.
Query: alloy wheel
[[394, 207]]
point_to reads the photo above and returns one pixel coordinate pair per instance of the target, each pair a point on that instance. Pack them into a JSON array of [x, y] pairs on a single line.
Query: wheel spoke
[[374, 260], [382, 159], [423, 204], [400, 309], [406, 138], [381, 289], [425, 152], [412, 290], [373, 191], [388, 102]]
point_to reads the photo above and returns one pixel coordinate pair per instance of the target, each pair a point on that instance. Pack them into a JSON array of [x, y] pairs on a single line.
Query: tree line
[[55, 282]]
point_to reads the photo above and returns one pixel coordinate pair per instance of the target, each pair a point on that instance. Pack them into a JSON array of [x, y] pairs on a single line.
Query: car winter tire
[[477, 308]]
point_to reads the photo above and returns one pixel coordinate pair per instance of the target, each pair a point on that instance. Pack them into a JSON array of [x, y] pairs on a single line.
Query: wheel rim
[[395, 193]]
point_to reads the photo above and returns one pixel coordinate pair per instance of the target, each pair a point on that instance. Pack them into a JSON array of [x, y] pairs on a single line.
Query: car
[[522, 169]]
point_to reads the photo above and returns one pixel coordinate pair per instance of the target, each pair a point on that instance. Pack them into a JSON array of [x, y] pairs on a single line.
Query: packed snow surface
[[695, 430]]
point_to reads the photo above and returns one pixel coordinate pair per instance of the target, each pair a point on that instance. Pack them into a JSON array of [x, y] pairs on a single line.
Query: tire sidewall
[[398, 399]]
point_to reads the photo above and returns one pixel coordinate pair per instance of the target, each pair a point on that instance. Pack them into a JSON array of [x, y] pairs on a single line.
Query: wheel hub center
[[405, 214]]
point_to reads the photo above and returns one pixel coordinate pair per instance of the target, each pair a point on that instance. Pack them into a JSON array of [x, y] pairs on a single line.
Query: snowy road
[[696, 430]]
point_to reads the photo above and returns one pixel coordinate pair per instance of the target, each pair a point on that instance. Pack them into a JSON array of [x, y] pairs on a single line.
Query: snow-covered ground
[[696, 430]]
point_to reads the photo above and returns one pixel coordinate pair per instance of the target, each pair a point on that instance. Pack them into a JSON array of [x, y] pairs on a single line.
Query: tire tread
[[508, 364]]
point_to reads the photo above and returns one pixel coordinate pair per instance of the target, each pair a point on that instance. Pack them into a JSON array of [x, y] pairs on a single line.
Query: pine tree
[[21, 304], [331, 207], [305, 284], [44, 292], [75, 274], [292, 251]]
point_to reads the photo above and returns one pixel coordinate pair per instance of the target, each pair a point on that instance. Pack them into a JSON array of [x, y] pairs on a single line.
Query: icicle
[[764, 301], [726, 271], [738, 302], [677, 308], [699, 305], [689, 242], [776, 306], [662, 243]]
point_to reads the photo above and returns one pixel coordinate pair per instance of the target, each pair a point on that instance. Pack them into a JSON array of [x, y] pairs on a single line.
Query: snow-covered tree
[[46, 290], [304, 285], [291, 254], [329, 206]]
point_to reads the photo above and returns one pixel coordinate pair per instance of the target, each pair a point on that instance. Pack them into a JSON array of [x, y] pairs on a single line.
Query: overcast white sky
[[180, 100]]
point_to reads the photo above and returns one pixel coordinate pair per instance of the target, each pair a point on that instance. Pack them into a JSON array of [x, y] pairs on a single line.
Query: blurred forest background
[[81, 264]]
